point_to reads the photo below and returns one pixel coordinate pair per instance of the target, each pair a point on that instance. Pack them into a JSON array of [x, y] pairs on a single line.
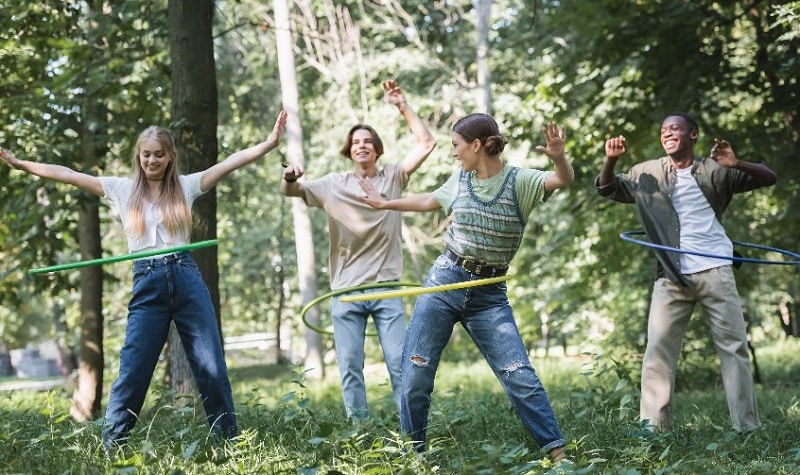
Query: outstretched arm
[[563, 174], [55, 172], [217, 172], [423, 202], [722, 153], [424, 142]]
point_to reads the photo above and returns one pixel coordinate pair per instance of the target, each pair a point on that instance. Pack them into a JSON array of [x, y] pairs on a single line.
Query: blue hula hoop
[[626, 236]]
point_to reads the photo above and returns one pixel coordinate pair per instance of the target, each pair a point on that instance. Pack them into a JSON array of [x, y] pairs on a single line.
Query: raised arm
[[55, 172], [615, 147], [217, 172], [563, 173], [424, 143], [423, 202], [722, 153]]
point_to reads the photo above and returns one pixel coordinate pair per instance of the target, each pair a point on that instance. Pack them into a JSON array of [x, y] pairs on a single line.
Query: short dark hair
[[687, 118], [377, 143]]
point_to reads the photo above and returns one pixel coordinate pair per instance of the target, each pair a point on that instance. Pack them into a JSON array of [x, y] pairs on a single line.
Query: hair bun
[[495, 144]]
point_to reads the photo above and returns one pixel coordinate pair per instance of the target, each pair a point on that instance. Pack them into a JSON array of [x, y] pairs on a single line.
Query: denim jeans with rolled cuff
[[486, 315], [349, 332], [168, 288]]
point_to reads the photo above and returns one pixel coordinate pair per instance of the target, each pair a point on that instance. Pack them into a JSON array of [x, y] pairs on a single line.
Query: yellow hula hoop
[[335, 293], [424, 290]]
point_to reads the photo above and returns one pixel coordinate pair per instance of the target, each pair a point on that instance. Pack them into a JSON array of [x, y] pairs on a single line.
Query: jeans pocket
[[189, 265], [140, 272], [443, 263], [141, 277]]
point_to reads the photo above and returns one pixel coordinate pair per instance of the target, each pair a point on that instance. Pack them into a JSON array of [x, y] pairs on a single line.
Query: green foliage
[[291, 425], [608, 68], [67, 69], [601, 68]]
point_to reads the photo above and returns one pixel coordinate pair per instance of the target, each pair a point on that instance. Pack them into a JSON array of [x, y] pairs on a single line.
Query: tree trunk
[[66, 358], [484, 8], [280, 284], [88, 395], [194, 126], [306, 265], [89, 390]]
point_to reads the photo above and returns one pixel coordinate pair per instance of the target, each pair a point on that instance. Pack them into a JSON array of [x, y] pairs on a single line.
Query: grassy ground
[[291, 425]]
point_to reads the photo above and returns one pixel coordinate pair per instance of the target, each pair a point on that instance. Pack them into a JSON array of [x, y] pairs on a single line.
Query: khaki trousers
[[670, 310]]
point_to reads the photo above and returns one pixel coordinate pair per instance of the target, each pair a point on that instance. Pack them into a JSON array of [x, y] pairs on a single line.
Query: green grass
[[291, 426]]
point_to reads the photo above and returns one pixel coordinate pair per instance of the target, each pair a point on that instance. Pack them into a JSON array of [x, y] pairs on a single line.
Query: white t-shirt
[[118, 191], [700, 229]]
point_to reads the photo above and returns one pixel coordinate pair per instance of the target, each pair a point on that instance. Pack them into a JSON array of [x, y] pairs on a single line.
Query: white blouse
[[118, 191]]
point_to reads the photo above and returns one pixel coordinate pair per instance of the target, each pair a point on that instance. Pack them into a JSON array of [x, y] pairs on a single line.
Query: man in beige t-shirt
[[365, 245]]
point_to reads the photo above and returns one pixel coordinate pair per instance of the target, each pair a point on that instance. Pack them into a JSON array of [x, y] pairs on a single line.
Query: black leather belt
[[474, 266]]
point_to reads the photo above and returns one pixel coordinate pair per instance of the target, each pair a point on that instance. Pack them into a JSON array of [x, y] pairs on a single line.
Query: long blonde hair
[[175, 213]]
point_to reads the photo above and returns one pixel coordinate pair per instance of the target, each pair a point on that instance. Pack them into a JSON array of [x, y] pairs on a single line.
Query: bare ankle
[[557, 454]]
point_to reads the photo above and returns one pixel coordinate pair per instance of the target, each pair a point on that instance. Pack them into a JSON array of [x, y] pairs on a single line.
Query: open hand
[[372, 196], [555, 138], [722, 153], [9, 158], [279, 128], [393, 93]]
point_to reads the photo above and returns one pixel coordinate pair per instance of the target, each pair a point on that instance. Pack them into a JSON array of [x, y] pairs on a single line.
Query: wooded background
[[80, 79]]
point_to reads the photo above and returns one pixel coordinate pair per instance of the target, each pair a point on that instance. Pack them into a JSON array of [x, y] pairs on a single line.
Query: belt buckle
[[468, 264]]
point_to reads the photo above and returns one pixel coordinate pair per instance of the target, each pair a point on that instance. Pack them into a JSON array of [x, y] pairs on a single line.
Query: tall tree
[[73, 77], [89, 389], [484, 73], [306, 265], [194, 126]]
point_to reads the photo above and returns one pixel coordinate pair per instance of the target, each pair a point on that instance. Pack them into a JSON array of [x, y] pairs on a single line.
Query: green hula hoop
[[336, 293], [125, 257]]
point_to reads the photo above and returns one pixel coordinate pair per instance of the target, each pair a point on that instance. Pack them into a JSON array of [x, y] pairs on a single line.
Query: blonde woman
[[155, 208]]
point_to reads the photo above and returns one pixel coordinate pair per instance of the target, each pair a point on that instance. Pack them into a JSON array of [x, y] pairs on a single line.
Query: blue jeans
[[486, 315], [349, 329], [169, 288]]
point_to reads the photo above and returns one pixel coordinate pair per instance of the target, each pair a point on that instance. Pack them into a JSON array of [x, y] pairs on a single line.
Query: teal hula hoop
[[336, 293], [125, 257]]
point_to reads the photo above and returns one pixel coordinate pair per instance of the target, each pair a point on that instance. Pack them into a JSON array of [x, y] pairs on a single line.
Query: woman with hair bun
[[490, 202]]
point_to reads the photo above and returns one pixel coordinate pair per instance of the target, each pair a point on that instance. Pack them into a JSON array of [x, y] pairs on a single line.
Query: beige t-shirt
[[365, 243]]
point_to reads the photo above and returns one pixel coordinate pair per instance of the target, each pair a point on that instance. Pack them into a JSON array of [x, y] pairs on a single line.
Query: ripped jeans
[[486, 315]]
